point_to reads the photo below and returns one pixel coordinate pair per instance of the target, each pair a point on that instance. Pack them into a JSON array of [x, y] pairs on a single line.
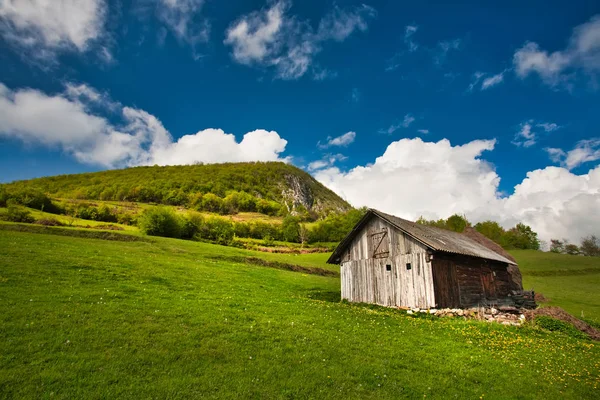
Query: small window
[[408, 266], [388, 267]]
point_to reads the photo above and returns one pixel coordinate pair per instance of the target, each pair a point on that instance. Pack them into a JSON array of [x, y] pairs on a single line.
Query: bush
[[555, 325], [160, 221], [17, 214], [217, 230], [31, 198], [290, 229], [191, 226]]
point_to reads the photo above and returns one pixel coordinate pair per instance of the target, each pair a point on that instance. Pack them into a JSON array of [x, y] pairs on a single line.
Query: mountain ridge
[[268, 187]]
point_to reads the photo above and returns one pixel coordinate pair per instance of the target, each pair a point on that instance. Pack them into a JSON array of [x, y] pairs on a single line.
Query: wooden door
[[445, 285], [488, 282]]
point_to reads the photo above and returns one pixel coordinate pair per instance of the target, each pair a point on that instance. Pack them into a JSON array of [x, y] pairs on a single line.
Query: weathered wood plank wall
[[367, 279], [479, 281]]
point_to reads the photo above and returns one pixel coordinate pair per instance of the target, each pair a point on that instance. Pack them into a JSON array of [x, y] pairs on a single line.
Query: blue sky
[[377, 92]]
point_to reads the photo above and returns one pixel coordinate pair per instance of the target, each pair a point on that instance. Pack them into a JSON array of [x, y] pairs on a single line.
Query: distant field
[[90, 318], [571, 282]]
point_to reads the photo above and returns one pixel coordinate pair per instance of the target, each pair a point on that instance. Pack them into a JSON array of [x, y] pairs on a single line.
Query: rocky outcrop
[[297, 193]]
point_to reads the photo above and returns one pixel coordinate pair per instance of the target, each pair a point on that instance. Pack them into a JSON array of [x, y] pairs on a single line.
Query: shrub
[[126, 219], [17, 214], [290, 229], [555, 325], [191, 225], [212, 202], [217, 230], [160, 221]]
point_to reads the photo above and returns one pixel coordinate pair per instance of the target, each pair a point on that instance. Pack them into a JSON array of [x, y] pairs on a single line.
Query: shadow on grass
[[322, 295]]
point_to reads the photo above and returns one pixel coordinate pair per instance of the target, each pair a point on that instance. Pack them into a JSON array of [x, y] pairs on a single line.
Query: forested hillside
[[272, 188]]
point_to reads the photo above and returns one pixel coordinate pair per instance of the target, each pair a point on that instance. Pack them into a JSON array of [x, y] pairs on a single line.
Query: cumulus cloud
[[414, 178], [43, 28], [408, 119], [183, 19], [581, 54], [272, 38], [74, 122], [339, 141], [528, 133], [583, 152]]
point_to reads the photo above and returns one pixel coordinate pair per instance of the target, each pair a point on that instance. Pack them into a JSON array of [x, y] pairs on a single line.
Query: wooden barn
[[390, 261]]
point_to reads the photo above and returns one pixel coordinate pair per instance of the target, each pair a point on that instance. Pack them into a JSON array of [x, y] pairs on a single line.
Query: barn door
[[445, 286], [488, 282], [379, 244]]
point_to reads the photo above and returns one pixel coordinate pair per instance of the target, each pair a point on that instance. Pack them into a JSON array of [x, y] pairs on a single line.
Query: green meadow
[[164, 318]]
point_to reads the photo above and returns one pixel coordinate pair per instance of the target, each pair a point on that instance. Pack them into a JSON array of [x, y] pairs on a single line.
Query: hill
[[272, 188], [169, 318]]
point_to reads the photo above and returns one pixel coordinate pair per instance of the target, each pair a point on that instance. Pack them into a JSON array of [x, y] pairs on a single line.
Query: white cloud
[[527, 136], [548, 127], [475, 79], [182, 18], [271, 38], [408, 119], [73, 122], [492, 81], [436, 179], [339, 141], [328, 160], [409, 31], [42, 28], [423, 131], [581, 54], [583, 152], [340, 23]]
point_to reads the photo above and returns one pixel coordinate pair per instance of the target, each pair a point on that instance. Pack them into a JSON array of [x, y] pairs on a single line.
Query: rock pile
[[508, 317]]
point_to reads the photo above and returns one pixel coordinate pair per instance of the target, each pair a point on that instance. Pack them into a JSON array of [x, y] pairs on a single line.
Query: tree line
[[520, 236], [590, 246]]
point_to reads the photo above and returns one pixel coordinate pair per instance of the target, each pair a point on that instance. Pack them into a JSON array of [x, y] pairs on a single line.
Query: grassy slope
[[101, 319], [571, 282], [262, 179]]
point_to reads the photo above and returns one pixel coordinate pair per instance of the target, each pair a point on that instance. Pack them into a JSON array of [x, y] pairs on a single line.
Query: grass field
[[571, 282], [89, 318]]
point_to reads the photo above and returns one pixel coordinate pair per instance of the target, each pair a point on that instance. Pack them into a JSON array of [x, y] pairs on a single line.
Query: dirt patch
[[540, 298], [562, 315]]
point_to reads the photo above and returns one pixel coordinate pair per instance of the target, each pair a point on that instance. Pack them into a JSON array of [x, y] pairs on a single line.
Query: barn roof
[[434, 238]]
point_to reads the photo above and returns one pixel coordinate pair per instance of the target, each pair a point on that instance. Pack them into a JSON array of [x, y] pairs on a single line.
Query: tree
[[557, 246], [491, 229], [457, 223], [290, 229], [590, 246], [521, 237], [572, 249]]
